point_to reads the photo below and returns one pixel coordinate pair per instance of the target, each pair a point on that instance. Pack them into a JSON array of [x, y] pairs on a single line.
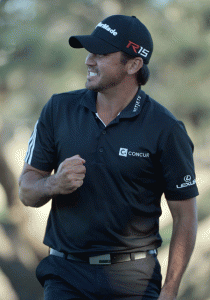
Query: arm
[[37, 187], [184, 214]]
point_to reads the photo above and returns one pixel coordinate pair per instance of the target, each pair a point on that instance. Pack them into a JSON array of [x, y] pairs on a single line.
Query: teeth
[[93, 74]]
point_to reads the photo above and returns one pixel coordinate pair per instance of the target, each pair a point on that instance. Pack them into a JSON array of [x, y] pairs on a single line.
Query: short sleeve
[[41, 146], [177, 165]]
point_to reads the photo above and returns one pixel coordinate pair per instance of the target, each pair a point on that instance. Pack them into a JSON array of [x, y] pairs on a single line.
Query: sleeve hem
[[179, 197], [42, 167]]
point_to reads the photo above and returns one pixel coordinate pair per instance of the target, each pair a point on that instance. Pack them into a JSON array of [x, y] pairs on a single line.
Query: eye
[[100, 55]]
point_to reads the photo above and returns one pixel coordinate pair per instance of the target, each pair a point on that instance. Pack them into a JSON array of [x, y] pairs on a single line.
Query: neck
[[116, 98], [112, 101]]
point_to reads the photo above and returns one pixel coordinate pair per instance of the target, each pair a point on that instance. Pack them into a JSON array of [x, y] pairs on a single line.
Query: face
[[104, 71]]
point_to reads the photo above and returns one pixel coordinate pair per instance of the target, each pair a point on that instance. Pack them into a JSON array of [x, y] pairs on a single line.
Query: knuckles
[[75, 165], [71, 174]]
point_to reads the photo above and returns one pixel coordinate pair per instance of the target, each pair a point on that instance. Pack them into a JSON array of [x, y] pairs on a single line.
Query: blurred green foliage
[[36, 60]]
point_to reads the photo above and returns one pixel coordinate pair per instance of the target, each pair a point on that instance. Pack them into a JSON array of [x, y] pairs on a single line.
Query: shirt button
[[101, 150], [104, 132]]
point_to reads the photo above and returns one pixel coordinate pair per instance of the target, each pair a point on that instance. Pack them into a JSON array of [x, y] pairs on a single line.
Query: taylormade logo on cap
[[106, 27], [120, 33]]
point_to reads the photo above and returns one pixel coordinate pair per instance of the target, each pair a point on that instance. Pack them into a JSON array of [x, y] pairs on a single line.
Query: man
[[115, 151]]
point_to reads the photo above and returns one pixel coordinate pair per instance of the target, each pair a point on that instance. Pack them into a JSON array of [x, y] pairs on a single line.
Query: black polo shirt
[[140, 155]]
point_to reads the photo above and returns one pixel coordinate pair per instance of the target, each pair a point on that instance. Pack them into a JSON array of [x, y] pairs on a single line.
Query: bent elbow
[[25, 197], [22, 198]]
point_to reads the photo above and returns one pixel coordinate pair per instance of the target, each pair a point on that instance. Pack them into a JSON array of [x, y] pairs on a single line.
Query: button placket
[[101, 144]]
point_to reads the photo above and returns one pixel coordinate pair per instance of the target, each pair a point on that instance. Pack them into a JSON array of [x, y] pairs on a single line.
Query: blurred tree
[[36, 60], [7, 179], [181, 61], [34, 42]]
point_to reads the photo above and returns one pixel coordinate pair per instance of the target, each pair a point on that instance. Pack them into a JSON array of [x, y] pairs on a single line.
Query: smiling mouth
[[91, 74]]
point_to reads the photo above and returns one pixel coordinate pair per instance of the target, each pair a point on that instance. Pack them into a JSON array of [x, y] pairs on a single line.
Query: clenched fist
[[70, 175]]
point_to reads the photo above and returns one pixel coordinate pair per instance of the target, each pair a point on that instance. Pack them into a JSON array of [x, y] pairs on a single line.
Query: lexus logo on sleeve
[[188, 182], [187, 178]]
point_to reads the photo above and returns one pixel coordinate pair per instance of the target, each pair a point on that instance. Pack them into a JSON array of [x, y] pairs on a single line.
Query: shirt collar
[[89, 100], [135, 106], [131, 110]]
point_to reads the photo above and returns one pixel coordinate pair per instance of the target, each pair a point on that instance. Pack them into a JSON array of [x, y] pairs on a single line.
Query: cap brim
[[92, 44]]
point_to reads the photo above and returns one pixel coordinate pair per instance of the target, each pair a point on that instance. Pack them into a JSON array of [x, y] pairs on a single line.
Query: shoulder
[[163, 125], [60, 103], [68, 97], [159, 114]]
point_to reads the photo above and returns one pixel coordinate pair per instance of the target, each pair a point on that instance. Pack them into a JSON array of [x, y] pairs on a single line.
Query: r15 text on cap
[[142, 51]]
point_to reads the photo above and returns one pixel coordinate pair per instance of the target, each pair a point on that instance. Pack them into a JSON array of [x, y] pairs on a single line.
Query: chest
[[123, 146]]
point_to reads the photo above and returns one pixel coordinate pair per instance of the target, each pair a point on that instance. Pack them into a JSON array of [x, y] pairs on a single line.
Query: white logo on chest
[[125, 152]]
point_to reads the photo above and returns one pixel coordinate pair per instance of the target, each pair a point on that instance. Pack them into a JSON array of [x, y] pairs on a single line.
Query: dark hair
[[142, 75]]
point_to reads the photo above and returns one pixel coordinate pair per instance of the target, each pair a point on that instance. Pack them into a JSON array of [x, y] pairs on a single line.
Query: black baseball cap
[[117, 33]]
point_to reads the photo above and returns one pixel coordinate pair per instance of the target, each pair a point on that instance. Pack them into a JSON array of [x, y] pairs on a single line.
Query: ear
[[134, 65]]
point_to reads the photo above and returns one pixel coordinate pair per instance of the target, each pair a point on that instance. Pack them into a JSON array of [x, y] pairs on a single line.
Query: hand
[[165, 295], [69, 176]]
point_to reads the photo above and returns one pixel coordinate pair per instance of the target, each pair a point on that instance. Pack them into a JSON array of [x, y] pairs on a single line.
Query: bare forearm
[[181, 248], [35, 191], [37, 187]]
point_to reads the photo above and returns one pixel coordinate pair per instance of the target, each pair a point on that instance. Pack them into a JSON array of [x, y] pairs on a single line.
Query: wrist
[[51, 186], [170, 289]]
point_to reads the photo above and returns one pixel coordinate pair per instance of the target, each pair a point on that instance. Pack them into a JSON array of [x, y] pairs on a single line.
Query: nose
[[90, 59]]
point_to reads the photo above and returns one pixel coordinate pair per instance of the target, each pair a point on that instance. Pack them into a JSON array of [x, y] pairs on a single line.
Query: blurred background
[[36, 61]]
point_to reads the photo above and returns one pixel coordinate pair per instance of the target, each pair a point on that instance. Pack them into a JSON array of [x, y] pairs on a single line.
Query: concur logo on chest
[[125, 152]]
